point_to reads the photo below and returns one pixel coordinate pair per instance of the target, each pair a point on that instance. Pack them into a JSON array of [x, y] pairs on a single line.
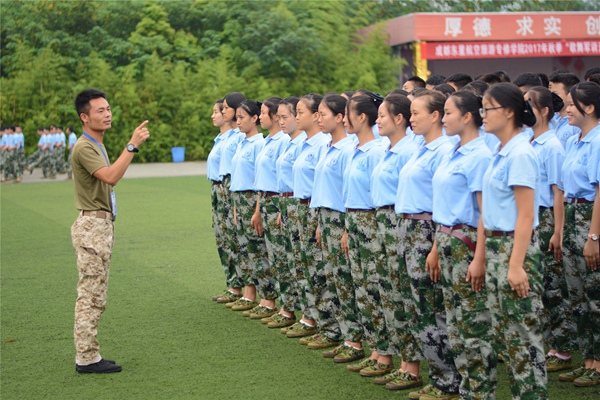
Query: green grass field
[[160, 324]]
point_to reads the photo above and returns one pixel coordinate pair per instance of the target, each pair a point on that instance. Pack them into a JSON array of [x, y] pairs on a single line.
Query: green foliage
[[168, 61]]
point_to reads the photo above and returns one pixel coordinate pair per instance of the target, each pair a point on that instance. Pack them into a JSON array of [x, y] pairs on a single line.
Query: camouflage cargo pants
[[468, 320], [583, 284], [394, 290], [416, 241], [312, 259], [230, 247], [331, 224], [220, 209], [362, 245], [560, 330], [515, 320], [11, 169], [253, 264], [288, 286], [92, 240], [274, 239]]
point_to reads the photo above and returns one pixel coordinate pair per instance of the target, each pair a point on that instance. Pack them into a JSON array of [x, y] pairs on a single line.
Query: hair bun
[[528, 115], [557, 102]]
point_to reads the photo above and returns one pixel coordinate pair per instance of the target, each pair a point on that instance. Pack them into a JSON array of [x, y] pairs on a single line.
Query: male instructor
[[92, 233]]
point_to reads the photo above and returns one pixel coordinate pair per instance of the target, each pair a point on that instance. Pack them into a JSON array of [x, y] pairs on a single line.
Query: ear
[[467, 118], [436, 115], [254, 119], [589, 109], [339, 118], [544, 111], [398, 119], [84, 118]]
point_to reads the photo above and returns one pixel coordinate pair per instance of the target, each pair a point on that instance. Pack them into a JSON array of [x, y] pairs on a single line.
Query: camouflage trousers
[[416, 241], [468, 320], [93, 240], [515, 320], [583, 284], [13, 167], [38, 157], [253, 264], [230, 247], [220, 211], [287, 276], [560, 330], [339, 278], [362, 245], [394, 290], [312, 259], [274, 239]]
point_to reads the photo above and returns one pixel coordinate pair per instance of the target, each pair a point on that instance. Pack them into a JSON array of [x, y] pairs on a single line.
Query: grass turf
[[160, 324]]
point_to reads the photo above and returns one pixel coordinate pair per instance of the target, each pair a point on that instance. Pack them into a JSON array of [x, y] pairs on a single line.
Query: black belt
[[573, 200]]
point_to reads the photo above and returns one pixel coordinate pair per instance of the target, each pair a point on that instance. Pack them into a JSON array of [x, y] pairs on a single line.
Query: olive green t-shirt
[[91, 194]]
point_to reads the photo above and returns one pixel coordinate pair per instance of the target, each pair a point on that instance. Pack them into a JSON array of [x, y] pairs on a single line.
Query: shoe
[[592, 378], [404, 380], [266, 320], [302, 331], [243, 305], [334, 352], [390, 376], [309, 339], [263, 312], [437, 394], [554, 364], [281, 321], [423, 392], [216, 297], [357, 367], [228, 297], [294, 326], [571, 376], [323, 342], [378, 369], [349, 354], [101, 367], [247, 313]]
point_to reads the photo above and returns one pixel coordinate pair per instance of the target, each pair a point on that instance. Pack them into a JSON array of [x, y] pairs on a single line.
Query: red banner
[[509, 49]]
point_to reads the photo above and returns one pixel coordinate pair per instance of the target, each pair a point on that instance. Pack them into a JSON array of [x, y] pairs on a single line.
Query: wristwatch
[[594, 237], [131, 148]]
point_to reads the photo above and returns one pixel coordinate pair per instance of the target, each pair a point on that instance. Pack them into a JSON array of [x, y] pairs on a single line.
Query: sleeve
[[554, 162], [523, 170], [477, 170], [89, 157], [593, 165]]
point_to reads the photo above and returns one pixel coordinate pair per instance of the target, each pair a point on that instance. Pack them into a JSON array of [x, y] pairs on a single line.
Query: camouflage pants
[[583, 284], [362, 245], [416, 241], [274, 239], [394, 290], [312, 259], [253, 264], [92, 240], [288, 286], [469, 323], [220, 211], [560, 331], [515, 320], [230, 247], [294, 224], [12, 168], [339, 278]]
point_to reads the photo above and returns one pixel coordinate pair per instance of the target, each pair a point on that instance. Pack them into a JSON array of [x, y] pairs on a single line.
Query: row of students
[[426, 250]]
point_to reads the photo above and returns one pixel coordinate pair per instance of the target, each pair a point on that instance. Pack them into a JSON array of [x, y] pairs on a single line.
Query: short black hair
[[490, 79], [528, 80], [435, 80], [544, 79], [568, 80], [82, 101], [502, 75], [417, 81], [590, 72], [459, 80]]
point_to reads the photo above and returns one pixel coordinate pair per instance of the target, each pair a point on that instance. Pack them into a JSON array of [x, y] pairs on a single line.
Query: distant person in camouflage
[[513, 258], [92, 233]]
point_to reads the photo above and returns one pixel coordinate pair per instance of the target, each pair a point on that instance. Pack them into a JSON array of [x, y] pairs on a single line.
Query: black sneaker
[[101, 367]]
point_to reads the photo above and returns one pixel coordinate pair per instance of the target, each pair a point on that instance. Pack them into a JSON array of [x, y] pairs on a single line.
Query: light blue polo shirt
[[244, 162], [229, 148], [418, 139], [8, 140], [61, 138], [384, 182], [457, 180], [285, 163], [551, 157], [415, 192], [20, 140], [304, 167], [72, 139], [329, 175], [265, 178], [214, 157], [516, 164], [490, 139], [357, 177], [564, 131], [581, 169]]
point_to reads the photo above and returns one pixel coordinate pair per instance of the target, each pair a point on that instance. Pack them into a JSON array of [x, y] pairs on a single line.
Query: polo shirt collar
[[471, 146], [436, 143], [276, 136], [591, 134], [512, 143], [367, 146], [254, 138], [315, 140], [398, 146], [544, 137], [342, 143]]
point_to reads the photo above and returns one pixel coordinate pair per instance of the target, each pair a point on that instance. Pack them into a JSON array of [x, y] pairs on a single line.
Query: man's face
[[99, 117]]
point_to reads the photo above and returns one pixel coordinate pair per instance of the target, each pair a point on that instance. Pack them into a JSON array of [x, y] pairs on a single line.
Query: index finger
[[143, 124]]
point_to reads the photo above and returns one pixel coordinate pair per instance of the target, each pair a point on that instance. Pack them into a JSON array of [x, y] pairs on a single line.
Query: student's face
[[217, 116], [453, 120], [408, 86], [100, 115], [305, 118], [265, 119], [386, 122], [421, 120], [327, 121], [495, 118], [228, 113], [287, 120], [575, 117], [244, 121]]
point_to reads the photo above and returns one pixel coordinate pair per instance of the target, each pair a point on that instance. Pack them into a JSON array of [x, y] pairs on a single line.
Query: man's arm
[[113, 174]]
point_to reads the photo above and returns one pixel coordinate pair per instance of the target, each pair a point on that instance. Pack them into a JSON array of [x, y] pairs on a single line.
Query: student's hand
[[344, 243], [432, 264], [318, 236], [518, 280], [279, 223], [476, 275], [555, 246], [256, 223], [591, 253], [140, 134]]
